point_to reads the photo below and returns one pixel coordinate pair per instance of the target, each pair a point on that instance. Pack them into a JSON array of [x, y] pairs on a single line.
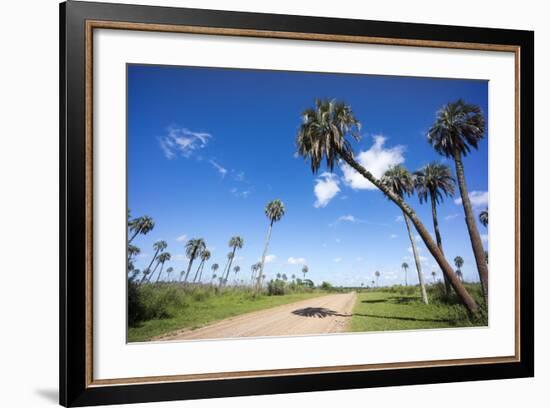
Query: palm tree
[[165, 256], [484, 217], [145, 272], [458, 127], [305, 270], [158, 246], [458, 263], [274, 211], [293, 277], [377, 274], [235, 242], [398, 180], [236, 269], [168, 273], [227, 265], [205, 256], [278, 276], [323, 136], [214, 268], [254, 268], [433, 276], [435, 181], [193, 249], [405, 266], [285, 278], [132, 252], [140, 225]]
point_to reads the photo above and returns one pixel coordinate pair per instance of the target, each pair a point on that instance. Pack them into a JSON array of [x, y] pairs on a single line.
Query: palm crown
[[398, 180], [305, 269], [404, 265], [143, 224], [436, 180], [323, 132], [194, 247], [275, 210], [459, 262], [165, 256], [205, 255], [236, 242], [215, 267], [160, 245], [483, 217], [458, 127]]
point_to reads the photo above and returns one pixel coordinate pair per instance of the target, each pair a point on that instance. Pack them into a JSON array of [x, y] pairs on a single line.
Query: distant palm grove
[[325, 137]]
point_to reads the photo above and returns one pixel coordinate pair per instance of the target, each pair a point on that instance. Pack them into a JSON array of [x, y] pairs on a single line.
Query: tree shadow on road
[[409, 319], [319, 312]]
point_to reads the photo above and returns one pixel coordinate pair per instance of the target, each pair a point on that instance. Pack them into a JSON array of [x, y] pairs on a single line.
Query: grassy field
[[174, 307], [402, 309]]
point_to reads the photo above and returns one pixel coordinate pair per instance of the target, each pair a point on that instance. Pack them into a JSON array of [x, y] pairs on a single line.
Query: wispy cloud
[[376, 160], [399, 218], [240, 193], [270, 258], [477, 198], [296, 261], [182, 141], [222, 170], [452, 216], [337, 260], [393, 236], [326, 188], [182, 238], [485, 238]]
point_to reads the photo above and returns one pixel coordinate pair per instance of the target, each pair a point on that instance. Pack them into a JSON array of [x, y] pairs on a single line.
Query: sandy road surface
[[326, 314]]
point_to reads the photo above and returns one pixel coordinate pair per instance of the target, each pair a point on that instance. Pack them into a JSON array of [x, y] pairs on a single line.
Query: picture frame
[[78, 385]]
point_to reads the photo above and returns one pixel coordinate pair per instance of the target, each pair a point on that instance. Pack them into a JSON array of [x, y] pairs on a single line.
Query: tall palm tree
[[484, 217], [405, 266], [193, 249], [158, 246], [323, 136], [274, 211], [377, 274], [398, 180], [433, 275], [458, 263], [235, 243], [285, 278], [205, 256], [433, 181], [140, 225], [305, 270], [459, 126], [236, 269], [165, 256], [278, 276], [132, 252], [168, 273], [230, 256]]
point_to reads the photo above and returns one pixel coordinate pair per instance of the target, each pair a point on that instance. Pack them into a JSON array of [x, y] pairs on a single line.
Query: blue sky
[[209, 147]]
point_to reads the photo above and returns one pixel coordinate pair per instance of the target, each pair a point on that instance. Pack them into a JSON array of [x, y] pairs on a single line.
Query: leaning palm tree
[[433, 181], [158, 246], [193, 249], [205, 256], [398, 180], [458, 263], [274, 211], [214, 268], [230, 256], [484, 217], [254, 268], [323, 136], [132, 252], [236, 269], [377, 274], [140, 225], [165, 256], [145, 273], [305, 270], [405, 266], [235, 243], [458, 127]]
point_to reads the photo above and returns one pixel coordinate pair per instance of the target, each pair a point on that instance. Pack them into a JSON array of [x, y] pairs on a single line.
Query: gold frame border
[[100, 24]]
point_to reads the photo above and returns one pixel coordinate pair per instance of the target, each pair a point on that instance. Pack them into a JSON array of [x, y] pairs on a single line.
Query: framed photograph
[[257, 204]]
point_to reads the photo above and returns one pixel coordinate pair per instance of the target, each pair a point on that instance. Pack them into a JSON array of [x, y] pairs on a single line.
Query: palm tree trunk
[[133, 236], [191, 259], [475, 238], [197, 271], [459, 288], [202, 269], [152, 273], [230, 262], [267, 239], [416, 261], [160, 272], [438, 240]]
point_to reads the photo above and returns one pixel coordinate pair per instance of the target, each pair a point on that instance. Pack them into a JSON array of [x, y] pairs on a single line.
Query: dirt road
[[326, 314]]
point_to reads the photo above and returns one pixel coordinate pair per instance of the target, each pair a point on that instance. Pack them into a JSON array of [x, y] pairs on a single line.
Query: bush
[[327, 286], [153, 302], [276, 288]]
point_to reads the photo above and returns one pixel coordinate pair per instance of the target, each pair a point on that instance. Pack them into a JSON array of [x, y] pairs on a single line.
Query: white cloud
[[182, 141], [181, 238], [337, 260], [326, 188], [296, 261], [222, 170], [452, 216], [240, 193], [348, 218], [477, 198], [485, 238], [376, 160], [392, 236], [270, 258], [399, 218], [338, 240]]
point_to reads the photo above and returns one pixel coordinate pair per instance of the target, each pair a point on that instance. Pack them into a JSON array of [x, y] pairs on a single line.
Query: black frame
[[73, 390]]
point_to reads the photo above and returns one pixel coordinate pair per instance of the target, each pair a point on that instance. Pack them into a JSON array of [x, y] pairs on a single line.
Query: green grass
[[401, 308], [190, 308]]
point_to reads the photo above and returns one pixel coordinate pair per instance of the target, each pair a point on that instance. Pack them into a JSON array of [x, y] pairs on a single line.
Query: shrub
[[276, 288]]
